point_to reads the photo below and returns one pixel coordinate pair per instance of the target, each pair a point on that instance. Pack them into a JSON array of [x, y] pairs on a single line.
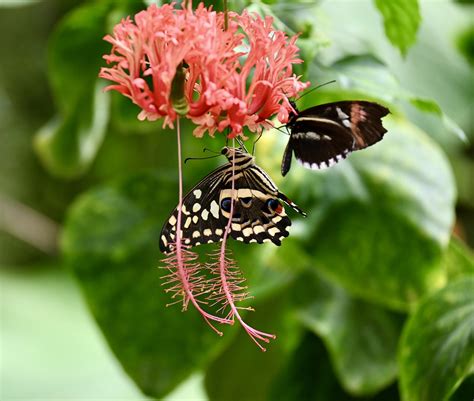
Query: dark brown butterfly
[[325, 134], [258, 214]]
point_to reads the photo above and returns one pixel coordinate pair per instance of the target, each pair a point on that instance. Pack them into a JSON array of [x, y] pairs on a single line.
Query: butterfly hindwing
[[325, 134], [320, 146], [200, 212], [257, 215]]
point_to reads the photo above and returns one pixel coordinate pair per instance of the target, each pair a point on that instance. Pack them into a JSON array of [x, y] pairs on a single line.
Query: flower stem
[[226, 17], [182, 271]]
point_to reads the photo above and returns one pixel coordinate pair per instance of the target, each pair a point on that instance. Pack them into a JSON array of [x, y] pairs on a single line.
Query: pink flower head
[[234, 78], [146, 53], [247, 81]]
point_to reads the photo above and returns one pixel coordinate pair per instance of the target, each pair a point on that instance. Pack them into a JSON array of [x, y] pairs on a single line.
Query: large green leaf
[[110, 241], [68, 145], [465, 44], [307, 375], [254, 369], [361, 338], [401, 21], [464, 391], [437, 346], [378, 222], [75, 53], [389, 214]]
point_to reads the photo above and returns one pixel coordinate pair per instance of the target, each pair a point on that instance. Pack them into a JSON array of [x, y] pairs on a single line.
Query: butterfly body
[[242, 188], [323, 135]]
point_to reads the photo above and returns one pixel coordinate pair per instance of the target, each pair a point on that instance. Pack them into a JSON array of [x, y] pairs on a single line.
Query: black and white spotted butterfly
[[258, 214], [325, 134]]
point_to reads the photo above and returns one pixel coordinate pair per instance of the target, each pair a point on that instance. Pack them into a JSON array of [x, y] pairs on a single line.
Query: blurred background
[[85, 188]]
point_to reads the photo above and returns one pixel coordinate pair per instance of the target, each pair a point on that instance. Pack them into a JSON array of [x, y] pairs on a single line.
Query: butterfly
[[258, 213], [323, 135]]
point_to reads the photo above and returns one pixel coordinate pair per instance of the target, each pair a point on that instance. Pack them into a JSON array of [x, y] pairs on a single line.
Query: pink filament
[[180, 261], [254, 334], [185, 273]]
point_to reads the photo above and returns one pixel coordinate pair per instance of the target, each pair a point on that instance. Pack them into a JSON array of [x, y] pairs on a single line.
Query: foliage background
[[371, 297]]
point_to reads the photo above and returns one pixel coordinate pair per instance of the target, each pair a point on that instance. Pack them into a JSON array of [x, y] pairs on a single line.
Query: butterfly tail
[[290, 203]]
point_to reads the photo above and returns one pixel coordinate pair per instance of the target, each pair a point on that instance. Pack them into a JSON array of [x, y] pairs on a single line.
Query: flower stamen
[[231, 278], [184, 271]]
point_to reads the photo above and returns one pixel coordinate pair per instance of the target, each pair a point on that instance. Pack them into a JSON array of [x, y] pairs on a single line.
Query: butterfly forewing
[[257, 213], [325, 134]]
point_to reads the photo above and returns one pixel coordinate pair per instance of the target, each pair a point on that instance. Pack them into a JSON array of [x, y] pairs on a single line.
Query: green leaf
[[430, 106], [401, 21], [110, 241], [464, 391], [243, 372], [459, 259], [379, 222], [124, 117], [67, 146], [361, 338], [426, 105], [75, 53], [399, 196], [465, 44], [437, 346], [307, 375]]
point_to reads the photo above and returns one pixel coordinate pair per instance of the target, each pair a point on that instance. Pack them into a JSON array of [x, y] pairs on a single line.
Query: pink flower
[[236, 77], [146, 53], [250, 82]]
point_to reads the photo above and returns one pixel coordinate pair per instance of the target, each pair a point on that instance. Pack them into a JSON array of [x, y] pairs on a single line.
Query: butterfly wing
[[325, 134], [258, 215], [200, 212]]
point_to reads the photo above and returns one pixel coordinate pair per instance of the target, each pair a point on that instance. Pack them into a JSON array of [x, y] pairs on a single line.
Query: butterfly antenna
[[316, 87], [200, 158], [210, 150], [278, 128], [255, 142]]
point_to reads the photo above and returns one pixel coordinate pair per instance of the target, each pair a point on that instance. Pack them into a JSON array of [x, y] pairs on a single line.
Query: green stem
[[226, 18]]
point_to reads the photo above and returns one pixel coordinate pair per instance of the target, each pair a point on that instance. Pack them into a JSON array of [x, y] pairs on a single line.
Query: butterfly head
[[239, 155]]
